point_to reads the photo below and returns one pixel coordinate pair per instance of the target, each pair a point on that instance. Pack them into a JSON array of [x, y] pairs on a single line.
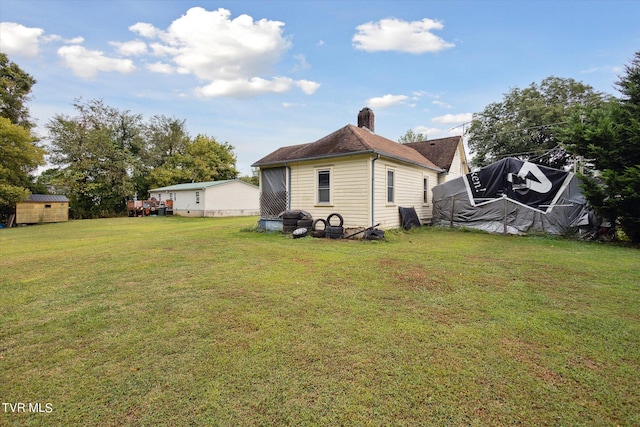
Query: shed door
[[273, 198]]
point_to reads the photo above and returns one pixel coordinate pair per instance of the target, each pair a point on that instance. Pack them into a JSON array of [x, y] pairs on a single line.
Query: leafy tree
[[20, 154], [15, 87], [19, 157], [96, 153], [164, 138], [210, 160], [411, 136], [609, 136], [202, 159], [105, 156], [522, 124]]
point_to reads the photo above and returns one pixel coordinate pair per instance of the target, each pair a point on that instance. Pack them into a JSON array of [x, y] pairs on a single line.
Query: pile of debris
[[136, 208], [300, 223]]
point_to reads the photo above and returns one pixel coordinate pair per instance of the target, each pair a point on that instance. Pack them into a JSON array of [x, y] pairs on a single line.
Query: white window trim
[[317, 186], [386, 186], [425, 178]]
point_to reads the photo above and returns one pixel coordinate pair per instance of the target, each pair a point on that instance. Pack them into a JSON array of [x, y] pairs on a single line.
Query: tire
[[334, 232], [289, 228], [299, 232], [337, 215], [314, 226], [319, 233], [305, 223], [291, 215], [288, 222]]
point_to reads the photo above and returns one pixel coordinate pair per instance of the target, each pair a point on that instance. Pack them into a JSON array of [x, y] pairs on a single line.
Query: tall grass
[[194, 321]]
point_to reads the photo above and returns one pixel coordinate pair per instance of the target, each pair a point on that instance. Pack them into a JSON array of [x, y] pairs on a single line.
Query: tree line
[[99, 157], [104, 156]]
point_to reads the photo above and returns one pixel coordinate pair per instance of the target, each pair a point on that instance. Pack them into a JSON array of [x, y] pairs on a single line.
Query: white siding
[[350, 189], [459, 165], [231, 199], [408, 192]]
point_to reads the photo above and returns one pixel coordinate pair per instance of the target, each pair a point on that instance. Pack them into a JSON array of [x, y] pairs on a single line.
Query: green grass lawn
[[192, 321]]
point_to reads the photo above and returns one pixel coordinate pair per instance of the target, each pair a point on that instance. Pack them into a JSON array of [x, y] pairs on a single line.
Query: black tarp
[[514, 197], [409, 218], [527, 183]]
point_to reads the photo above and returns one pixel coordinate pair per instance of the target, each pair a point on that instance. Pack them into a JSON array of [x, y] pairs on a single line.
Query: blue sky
[[265, 74]]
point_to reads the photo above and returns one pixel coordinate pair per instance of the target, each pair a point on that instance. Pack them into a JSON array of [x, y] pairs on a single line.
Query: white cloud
[[307, 86], [19, 40], [131, 48], [602, 69], [56, 38], [434, 133], [245, 87], [213, 46], [75, 40], [145, 30], [441, 104], [427, 131], [386, 101], [453, 118], [161, 67], [234, 55], [86, 63], [396, 35]]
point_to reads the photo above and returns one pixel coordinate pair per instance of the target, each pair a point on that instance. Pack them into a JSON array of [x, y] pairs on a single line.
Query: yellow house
[[40, 208], [362, 176]]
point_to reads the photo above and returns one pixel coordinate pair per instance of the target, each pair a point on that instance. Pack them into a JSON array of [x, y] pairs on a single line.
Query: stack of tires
[[300, 224], [292, 221], [332, 230]]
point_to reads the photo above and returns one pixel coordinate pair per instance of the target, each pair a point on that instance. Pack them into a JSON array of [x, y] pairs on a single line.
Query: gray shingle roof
[[348, 140], [440, 151]]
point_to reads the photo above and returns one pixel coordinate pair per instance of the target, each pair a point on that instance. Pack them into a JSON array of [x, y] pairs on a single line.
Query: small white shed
[[211, 199]]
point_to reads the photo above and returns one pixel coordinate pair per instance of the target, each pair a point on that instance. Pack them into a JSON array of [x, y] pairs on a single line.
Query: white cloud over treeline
[[393, 34], [236, 56]]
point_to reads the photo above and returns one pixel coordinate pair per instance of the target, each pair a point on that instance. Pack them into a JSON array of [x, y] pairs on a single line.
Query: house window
[[324, 186], [425, 190], [170, 196], [390, 186], [47, 206], [197, 197]]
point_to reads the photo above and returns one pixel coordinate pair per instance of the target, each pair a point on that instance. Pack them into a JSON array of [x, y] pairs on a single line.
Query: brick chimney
[[366, 119]]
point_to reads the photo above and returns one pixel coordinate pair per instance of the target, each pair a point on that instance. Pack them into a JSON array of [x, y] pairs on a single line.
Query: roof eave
[[354, 153], [306, 159]]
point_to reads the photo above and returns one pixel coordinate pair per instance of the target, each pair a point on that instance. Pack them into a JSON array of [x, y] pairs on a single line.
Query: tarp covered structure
[[515, 197]]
